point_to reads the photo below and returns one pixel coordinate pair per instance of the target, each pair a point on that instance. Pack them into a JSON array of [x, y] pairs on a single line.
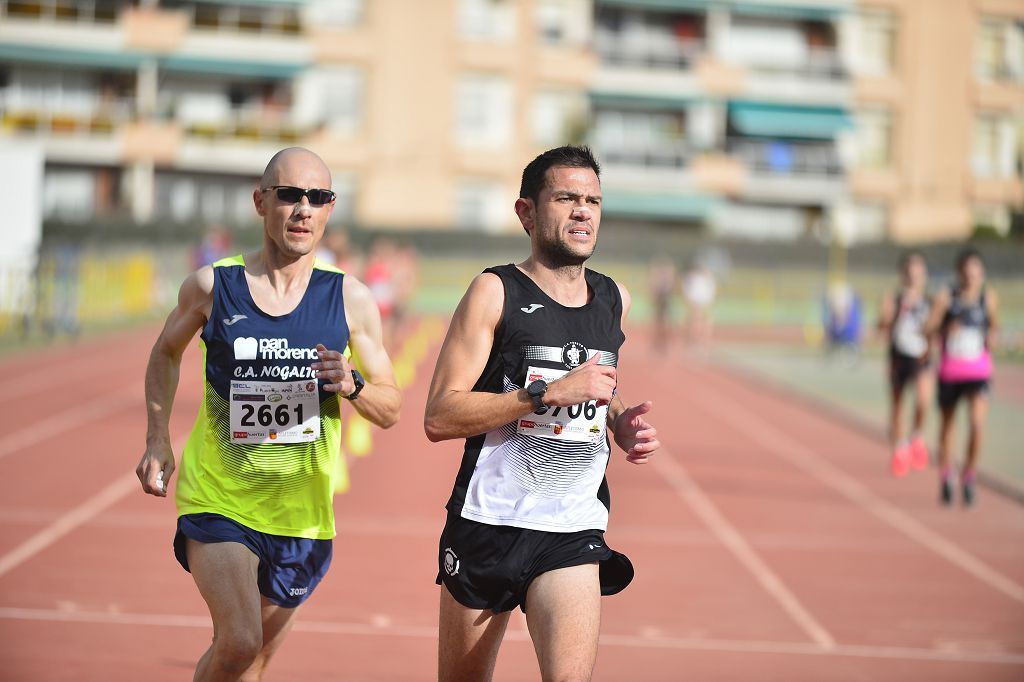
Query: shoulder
[[356, 292], [486, 287], [198, 285]]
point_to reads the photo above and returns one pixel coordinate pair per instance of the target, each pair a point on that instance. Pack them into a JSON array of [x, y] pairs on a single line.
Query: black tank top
[[544, 472]]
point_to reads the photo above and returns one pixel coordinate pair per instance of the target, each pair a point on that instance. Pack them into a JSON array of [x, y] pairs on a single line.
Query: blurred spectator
[[216, 244], [843, 319], [662, 280], [336, 249], [699, 291], [379, 276]]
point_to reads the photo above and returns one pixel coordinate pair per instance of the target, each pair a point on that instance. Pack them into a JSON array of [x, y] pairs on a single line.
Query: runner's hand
[[155, 470], [335, 369], [589, 381], [634, 435]]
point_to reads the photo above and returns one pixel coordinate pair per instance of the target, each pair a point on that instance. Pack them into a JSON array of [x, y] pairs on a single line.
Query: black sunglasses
[[293, 195]]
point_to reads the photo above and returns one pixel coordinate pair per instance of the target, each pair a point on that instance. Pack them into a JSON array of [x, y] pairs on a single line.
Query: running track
[[770, 544]]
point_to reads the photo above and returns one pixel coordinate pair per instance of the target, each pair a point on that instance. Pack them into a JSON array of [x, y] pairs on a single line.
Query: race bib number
[[584, 423], [965, 343], [908, 338], [274, 411]]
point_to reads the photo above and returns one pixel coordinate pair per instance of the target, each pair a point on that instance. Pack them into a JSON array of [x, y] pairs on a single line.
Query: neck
[[285, 273], [564, 283]]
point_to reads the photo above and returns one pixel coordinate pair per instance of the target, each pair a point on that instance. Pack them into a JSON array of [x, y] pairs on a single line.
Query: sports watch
[[359, 381], [536, 391]]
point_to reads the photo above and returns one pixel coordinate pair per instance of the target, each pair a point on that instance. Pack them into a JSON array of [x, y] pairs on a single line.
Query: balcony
[[63, 11], [789, 172]]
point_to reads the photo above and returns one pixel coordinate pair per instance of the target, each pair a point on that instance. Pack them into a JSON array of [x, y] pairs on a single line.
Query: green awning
[[792, 10], [656, 206], [782, 120], [116, 60], [782, 10], [623, 100], [232, 67]]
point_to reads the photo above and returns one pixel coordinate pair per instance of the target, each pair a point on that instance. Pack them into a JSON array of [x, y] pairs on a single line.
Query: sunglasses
[[293, 195]]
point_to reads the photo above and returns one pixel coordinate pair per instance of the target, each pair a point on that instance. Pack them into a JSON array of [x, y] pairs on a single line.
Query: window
[[480, 205], [557, 117], [333, 13], [487, 19], [648, 39], [873, 139], [877, 53], [646, 138], [341, 88], [999, 54], [69, 195], [994, 152], [484, 111]]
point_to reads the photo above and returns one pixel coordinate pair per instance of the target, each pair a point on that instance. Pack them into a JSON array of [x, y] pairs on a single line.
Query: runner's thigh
[[468, 640], [563, 612]]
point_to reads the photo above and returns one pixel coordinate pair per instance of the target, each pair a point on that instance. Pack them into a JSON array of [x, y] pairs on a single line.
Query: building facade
[[858, 120]]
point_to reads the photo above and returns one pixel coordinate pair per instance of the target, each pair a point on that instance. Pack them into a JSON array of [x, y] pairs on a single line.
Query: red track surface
[[769, 541]]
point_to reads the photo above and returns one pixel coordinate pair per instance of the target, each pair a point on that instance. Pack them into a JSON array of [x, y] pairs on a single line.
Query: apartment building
[[769, 119]]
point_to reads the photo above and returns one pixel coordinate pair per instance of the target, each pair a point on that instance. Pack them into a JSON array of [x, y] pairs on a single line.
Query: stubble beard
[[558, 255]]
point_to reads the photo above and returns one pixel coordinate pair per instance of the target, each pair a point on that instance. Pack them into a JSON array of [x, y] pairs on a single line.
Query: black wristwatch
[[536, 391], [360, 382]]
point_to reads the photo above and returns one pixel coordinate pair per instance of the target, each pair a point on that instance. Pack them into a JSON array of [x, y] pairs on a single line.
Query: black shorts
[[903, 369], [492, 567], [950, 392]]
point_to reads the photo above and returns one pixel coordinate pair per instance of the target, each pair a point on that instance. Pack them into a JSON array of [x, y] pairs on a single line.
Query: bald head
[[291, 161]]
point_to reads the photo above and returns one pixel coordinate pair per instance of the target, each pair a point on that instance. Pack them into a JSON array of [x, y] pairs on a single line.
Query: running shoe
[[900, 462], [918, 454], [968, 490], [946, 491]]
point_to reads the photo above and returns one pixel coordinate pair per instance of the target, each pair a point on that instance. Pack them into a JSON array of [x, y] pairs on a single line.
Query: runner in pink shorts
[[965, 318]]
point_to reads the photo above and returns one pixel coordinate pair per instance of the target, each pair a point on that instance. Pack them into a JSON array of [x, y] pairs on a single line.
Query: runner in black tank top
[[902, 320], [527, 376], [965, 318]]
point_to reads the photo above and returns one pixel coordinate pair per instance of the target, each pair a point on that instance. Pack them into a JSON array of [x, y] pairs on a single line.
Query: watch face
[[536, 388]]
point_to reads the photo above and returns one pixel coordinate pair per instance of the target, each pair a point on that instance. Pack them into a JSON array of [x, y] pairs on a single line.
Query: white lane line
[[687, 490], [68, 420], [627, 641], [770, 438], [76, 517]]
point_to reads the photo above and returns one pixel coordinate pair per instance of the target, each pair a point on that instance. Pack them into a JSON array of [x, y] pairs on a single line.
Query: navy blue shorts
[[290, 568], [492, 567]]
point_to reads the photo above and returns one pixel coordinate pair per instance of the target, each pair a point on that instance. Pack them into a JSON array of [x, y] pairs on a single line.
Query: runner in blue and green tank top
[[254, 495]]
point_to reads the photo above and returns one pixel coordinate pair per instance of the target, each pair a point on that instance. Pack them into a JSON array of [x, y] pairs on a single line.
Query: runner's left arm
[[992, 303], [380, 400], [637, 438]]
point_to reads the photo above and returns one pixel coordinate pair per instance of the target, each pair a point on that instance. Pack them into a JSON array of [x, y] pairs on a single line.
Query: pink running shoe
[[918, 454], [900, 462]]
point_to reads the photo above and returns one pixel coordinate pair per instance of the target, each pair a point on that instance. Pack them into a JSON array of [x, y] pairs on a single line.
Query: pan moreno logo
[[251, 348]]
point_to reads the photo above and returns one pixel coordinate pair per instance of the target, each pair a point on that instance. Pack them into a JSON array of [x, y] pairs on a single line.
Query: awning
[[621, 100], [119, 60], [793, 9], [656, 206], [231, 67], [783, 120]]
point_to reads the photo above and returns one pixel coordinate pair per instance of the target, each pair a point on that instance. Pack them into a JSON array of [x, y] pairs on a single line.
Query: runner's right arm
[[195, 300], [940, 304], [455, 410]]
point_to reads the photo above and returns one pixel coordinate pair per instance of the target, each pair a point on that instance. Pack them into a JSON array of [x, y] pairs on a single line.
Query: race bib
[[965, 343], [584, 423], [908, 338], [274, 411]]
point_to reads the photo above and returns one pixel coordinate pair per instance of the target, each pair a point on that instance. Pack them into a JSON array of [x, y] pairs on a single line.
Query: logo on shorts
[[451, 562], [297, 591], [574, 354]]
